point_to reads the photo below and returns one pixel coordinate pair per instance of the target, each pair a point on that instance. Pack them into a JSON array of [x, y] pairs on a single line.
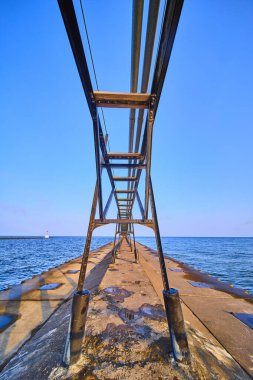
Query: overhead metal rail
[[134, 161]]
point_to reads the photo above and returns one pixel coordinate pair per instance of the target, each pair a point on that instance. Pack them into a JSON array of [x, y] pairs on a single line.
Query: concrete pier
[[211, 303], [34, 301], [126, 331]]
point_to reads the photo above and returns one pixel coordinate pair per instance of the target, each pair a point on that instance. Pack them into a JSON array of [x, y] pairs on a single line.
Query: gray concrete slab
[[212, 306]]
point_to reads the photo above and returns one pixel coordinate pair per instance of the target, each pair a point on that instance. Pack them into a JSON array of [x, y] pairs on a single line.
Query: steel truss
[[134, 161]]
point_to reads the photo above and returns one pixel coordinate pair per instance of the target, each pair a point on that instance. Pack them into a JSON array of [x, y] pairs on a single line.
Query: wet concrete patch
[[72, 271], [124, 332], [245, 318], [155, 312], [143, 330], [51, 286], [117, 294], [6, 320], [199, 284], [17, 291], [176, 270], [113, 330], [194, 275], [128, 316], [160, 350]]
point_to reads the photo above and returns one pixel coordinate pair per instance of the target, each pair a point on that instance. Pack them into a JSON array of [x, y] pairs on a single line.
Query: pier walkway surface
[[126, 330]]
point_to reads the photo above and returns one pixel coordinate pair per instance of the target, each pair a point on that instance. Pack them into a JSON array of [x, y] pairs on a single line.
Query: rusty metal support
[[88, 242], [121, 99], [178, 337], [98, 160], [124, 166], [108, 203], [140, 204], [148, 157], [124, 178], [158, 240], [80, 300], [137, 16], [76, 331], [114, 244], [136, 257], [149, 46], [124, 191]]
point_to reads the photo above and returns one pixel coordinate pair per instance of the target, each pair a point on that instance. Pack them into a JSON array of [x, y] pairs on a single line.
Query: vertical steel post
[[80, 301], [88, 241], [137, 16], [127, 240], [148, 156], [158, 239], [130, 242], [97, 158], [135, 249], [172, 302], [114, 252], [73, 345]]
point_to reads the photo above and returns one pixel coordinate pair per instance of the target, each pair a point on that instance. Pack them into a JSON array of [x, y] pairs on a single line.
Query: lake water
[[230, 259]]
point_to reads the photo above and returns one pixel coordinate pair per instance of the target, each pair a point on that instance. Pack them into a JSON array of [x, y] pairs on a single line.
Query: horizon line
[[111, 236]]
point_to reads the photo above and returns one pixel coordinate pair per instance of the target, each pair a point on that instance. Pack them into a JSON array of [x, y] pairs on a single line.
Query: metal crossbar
[[135, 161], [121, 99]]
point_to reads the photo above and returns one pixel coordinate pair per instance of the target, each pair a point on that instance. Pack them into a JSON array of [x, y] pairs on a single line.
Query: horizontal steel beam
[[124, 191], [148, 223], [125, 178], [121, 99], [124, 156], [124, 166]]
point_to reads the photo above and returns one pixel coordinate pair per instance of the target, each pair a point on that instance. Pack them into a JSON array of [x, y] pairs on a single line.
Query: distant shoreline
[[20, 237]]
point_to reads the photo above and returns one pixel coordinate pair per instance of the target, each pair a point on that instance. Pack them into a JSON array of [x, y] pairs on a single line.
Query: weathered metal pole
[[97, 159], [149, 46], [135, 59], [81, 298], [172, 303], [148, 155], [114, 250], [135, 249], [73, 345]]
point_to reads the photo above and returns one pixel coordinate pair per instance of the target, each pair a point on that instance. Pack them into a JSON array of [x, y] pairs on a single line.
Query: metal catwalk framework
[[135, 161]]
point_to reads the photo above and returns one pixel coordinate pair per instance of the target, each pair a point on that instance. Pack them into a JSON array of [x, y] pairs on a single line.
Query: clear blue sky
[[203, 135]]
